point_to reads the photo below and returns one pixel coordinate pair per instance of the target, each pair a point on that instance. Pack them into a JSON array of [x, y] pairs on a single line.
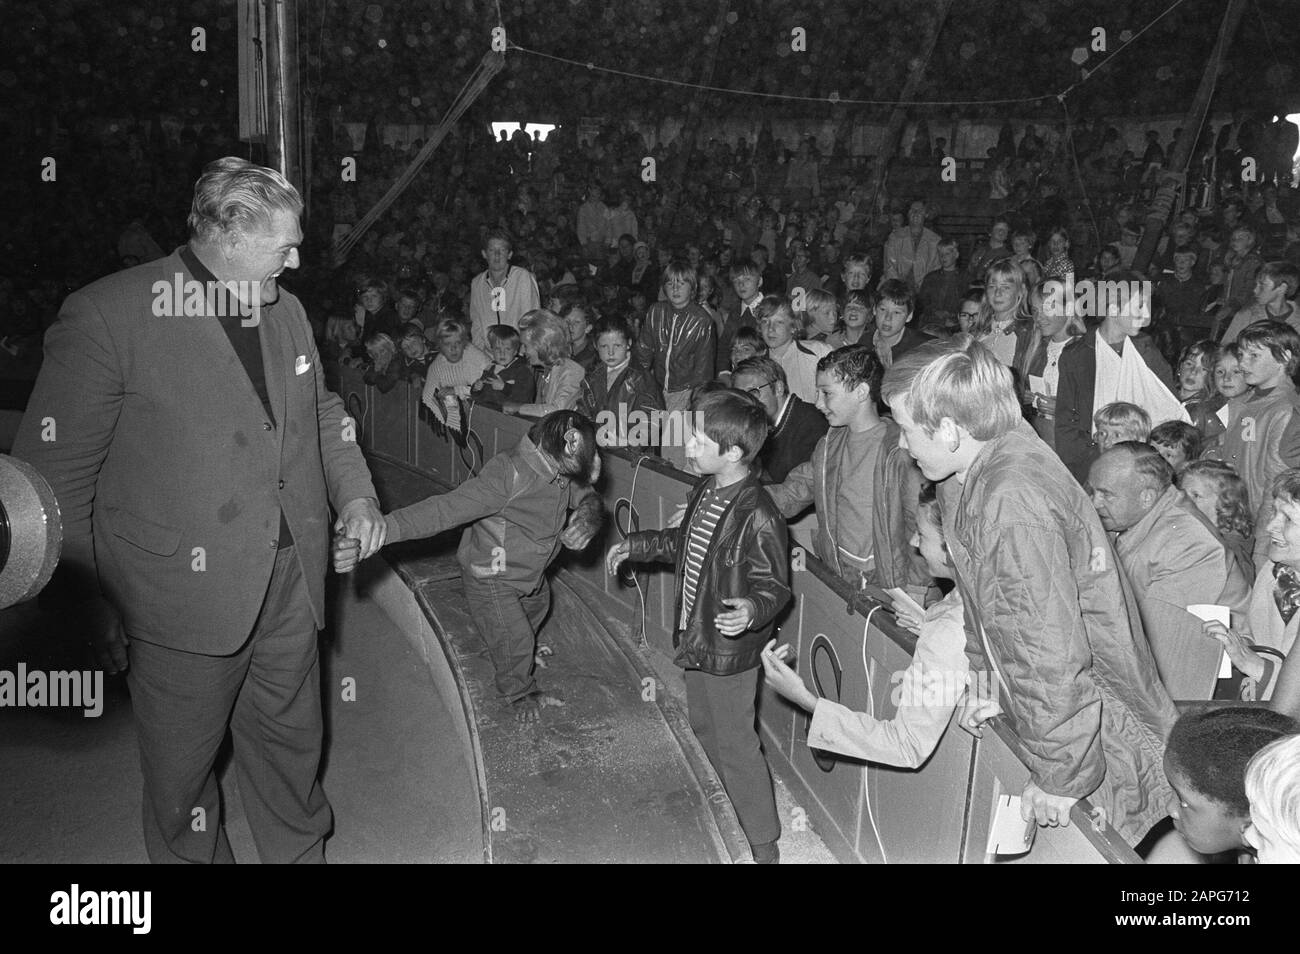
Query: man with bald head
[[1172, 555]]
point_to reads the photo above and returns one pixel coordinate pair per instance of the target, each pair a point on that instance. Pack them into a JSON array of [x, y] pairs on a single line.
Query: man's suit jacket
[[169, 477]]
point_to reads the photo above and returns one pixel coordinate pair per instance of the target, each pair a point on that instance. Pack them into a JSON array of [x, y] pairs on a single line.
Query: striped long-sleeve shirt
[[713, 504]]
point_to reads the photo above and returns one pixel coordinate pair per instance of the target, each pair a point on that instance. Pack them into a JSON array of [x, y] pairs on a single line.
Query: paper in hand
[[1213, 613], [1010, 834]]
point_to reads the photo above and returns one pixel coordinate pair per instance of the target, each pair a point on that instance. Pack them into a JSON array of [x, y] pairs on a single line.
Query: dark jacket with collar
[[1074, 398], [520, 385], [146, 473], [792, 439], [912, 338], [632, 390], [747, 557]]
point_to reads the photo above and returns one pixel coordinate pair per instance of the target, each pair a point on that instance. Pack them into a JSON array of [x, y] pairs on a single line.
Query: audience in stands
[[1038, 367], [1262, 437], [502, 293], [780, 329], [1120, 421], [545, 337], [619, 392], [1260, 647], [912, 252], [1274, 294], [1220, 494], [895, 336], [510, 377]]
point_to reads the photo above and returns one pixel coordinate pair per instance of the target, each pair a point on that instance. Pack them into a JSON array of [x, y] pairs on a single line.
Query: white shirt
[[520, 296], [801, 367], [1052, 370]]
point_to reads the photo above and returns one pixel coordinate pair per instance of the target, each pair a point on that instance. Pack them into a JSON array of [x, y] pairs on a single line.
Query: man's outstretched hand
[[362, 520]]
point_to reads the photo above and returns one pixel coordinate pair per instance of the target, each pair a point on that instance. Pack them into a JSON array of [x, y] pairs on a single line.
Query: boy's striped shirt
[[704, 523]]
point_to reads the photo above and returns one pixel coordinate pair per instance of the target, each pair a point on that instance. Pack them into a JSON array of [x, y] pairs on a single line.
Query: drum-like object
[[31, 531]]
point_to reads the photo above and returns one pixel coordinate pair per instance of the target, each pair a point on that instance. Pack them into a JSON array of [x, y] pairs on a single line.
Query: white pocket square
[[302, 365]]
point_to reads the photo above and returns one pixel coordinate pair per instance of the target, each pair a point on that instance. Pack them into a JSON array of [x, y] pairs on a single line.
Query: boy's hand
[[1044, 808], [736, 621], [497, 383], [616, 555], [676, 519], [974, 711], [783, 679]]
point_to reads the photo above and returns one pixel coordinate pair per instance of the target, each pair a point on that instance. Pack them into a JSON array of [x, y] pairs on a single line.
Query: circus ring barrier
[[940, 813]]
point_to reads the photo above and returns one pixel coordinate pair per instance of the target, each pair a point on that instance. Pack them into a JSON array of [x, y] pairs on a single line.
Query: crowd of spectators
[[1141, 451], [1184, 489]]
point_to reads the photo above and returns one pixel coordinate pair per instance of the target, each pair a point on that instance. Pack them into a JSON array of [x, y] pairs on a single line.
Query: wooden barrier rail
[[940, 813]]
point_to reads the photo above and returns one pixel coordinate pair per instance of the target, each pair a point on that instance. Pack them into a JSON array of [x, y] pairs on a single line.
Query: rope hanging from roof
[[487, 68]]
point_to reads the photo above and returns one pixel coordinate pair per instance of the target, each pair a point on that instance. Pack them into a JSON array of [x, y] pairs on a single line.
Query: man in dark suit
[[797, 426], [182, 419]]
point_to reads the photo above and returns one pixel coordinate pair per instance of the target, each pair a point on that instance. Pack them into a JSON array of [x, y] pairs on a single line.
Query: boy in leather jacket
[[732, 579]]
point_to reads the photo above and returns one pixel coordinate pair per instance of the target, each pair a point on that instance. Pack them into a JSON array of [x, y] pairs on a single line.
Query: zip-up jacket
[[748, 557], [517, 508], [677, 346]]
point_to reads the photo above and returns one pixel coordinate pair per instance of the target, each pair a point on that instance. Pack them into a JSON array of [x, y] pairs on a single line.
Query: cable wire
[[871, 711], [834, 101]]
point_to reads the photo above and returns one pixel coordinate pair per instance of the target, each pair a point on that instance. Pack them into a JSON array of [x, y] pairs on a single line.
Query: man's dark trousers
[[269, 694]]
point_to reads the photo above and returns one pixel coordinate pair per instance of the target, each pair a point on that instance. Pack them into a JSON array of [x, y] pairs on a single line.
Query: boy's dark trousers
[[508, 621], [721, 710]]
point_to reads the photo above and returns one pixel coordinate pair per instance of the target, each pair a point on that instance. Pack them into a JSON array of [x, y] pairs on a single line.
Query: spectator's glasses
[[758, 391]]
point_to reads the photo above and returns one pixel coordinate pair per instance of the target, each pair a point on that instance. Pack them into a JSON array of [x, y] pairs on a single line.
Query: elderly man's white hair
[[233, 193]]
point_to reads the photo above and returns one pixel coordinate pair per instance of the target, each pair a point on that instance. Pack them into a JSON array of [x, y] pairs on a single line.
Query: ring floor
[[71, 785]]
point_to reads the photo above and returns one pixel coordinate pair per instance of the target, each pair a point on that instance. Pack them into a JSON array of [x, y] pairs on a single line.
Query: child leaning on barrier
[[523, 505], [929, 689], [732, 561]]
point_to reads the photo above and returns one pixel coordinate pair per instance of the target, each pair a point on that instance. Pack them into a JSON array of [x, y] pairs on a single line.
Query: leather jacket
[[677, 346], [748, 556]]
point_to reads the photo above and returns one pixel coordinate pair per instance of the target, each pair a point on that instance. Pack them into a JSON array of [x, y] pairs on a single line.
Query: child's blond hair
[[1136, 421], [1273, 789]]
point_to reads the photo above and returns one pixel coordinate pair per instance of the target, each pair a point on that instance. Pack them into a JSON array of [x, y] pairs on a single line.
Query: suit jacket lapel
[[275, 366]]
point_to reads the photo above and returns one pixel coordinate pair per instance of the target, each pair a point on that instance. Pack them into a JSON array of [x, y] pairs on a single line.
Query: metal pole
[[1176, 169], [282, 140]]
